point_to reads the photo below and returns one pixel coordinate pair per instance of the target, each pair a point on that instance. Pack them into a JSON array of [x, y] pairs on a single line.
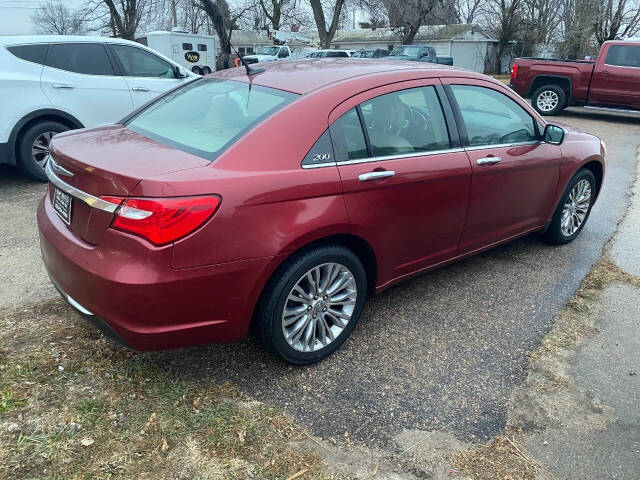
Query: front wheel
[[196, 69], [312, 304], [573, 210], [206, 70], [549, 100]]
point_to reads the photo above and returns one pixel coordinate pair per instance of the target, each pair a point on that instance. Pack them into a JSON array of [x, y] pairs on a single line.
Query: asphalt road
[[440, 351]]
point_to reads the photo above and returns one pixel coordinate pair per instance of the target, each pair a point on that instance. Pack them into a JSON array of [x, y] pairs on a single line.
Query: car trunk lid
[[108, 161]]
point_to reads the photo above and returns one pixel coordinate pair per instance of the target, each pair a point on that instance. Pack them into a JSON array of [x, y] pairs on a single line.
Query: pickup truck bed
[[610, 81]]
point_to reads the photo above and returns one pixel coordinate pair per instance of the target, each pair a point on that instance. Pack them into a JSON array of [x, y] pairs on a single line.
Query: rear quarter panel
[[578, 73]]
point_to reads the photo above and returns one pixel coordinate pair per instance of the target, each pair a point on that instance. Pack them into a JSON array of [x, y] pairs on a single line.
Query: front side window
[[136, 62], [187, 46], [623, 56], [405, 121], [31, 53], [87, 58], [202, 47], [405, 51], [284, 53], [336, 54], [492, 118], [206, 116]]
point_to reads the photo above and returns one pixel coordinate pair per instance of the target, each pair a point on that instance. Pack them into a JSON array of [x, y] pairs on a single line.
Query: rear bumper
[[132, 291]]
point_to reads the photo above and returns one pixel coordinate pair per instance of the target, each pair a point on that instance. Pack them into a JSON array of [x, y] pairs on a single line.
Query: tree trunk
[[410, 34], [318, 14]]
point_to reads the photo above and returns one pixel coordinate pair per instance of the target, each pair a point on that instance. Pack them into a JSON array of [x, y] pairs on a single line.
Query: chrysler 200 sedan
[[280, 200]]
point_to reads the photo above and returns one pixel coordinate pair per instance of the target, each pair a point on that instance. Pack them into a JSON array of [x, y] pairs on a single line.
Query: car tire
[[572, 212], [206, 70], [549, 100], [283, 312], [33, 147], [196, 70]]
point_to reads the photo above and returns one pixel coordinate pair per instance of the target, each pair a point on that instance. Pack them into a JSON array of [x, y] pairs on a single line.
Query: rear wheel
[[206, 70], [573, 210], [33, 147], [196, 69], [549, 100], [312, 304]]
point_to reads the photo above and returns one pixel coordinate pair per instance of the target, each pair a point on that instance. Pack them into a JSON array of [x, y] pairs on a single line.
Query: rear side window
[[349, 140], [336, 54], [30, 53], [405, 121], [87, 58], [492, 118], [202, 47], [321, 152], [623, 56], [206, 116], [187, 46], [136, 62]]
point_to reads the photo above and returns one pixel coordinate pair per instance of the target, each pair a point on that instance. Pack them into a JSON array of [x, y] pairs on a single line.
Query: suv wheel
[[33, 147], [549, 100], [312, 304]]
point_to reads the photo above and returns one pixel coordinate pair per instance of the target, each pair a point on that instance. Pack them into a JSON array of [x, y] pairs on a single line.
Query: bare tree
[[468, 11], [616, 19], [326, 35], [223, 21], [58, 19], [504, 17], [407, 16]]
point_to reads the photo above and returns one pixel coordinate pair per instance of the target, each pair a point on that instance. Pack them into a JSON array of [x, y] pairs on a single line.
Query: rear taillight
[[514, 72], [162, 220]]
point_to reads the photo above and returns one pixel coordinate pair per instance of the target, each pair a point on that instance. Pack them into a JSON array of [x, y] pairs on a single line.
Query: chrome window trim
[[400, 156], [319, 165], [503, 145], [76, 193]]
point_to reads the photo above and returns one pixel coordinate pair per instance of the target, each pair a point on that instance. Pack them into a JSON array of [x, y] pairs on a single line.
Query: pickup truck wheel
[[549, 100]]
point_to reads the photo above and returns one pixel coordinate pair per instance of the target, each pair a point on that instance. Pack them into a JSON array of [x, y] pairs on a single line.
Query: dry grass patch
[[73, 405]]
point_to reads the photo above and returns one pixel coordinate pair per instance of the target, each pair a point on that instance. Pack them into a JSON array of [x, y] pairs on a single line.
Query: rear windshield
[[206, 116]]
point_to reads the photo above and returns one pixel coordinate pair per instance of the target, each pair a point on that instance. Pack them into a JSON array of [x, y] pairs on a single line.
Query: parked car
[[269, 54], [419, 53], [49, 84], [373, 53], [191, 220], [330, 53], [610, 82]]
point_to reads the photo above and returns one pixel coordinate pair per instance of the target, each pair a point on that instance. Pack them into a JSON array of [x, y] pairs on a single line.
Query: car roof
[[26, 39], [306, 75]]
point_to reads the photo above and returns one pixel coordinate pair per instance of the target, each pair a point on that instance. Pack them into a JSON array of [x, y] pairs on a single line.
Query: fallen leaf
[[86, 442], [165, 445]]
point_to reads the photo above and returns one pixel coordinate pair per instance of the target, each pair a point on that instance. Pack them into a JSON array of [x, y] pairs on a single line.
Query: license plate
[[62, 205]]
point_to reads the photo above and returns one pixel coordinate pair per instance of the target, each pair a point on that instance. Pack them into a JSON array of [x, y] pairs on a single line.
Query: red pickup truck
[[610, 82]]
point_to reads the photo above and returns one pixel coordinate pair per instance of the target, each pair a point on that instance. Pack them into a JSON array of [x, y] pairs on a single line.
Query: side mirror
[[179, 72], [553, 134]]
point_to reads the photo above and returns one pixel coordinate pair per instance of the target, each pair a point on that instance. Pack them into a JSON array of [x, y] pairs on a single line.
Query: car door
[[405, 182], [515, 174], [79, 79], [616, 80], [146, 74]]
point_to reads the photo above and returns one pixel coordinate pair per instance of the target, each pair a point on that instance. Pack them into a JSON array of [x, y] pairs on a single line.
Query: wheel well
[[47, 117], [596, 169], [561, 82]]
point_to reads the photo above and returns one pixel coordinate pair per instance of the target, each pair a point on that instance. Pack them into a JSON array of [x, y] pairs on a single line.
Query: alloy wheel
[[40, 148], [319, 307], [575, 208], [547, 100]]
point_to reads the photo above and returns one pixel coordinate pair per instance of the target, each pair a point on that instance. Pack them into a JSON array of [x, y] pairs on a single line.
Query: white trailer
[[194, 52]]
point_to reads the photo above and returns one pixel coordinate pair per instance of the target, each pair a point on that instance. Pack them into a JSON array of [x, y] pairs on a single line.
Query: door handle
[[140, 89], [62, 85], [367, 177], [488, 160]]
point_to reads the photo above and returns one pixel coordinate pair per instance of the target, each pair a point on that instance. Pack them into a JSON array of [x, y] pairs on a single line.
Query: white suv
[[49, 84]]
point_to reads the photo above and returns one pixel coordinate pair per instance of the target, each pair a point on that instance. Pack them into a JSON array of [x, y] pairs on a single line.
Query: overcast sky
[[15, 15]]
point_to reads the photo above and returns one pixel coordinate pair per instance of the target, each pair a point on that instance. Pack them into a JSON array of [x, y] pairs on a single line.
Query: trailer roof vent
[[179, 30]]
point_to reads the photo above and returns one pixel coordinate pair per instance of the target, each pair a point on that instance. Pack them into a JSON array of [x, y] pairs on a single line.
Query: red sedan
[[281, 199]]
